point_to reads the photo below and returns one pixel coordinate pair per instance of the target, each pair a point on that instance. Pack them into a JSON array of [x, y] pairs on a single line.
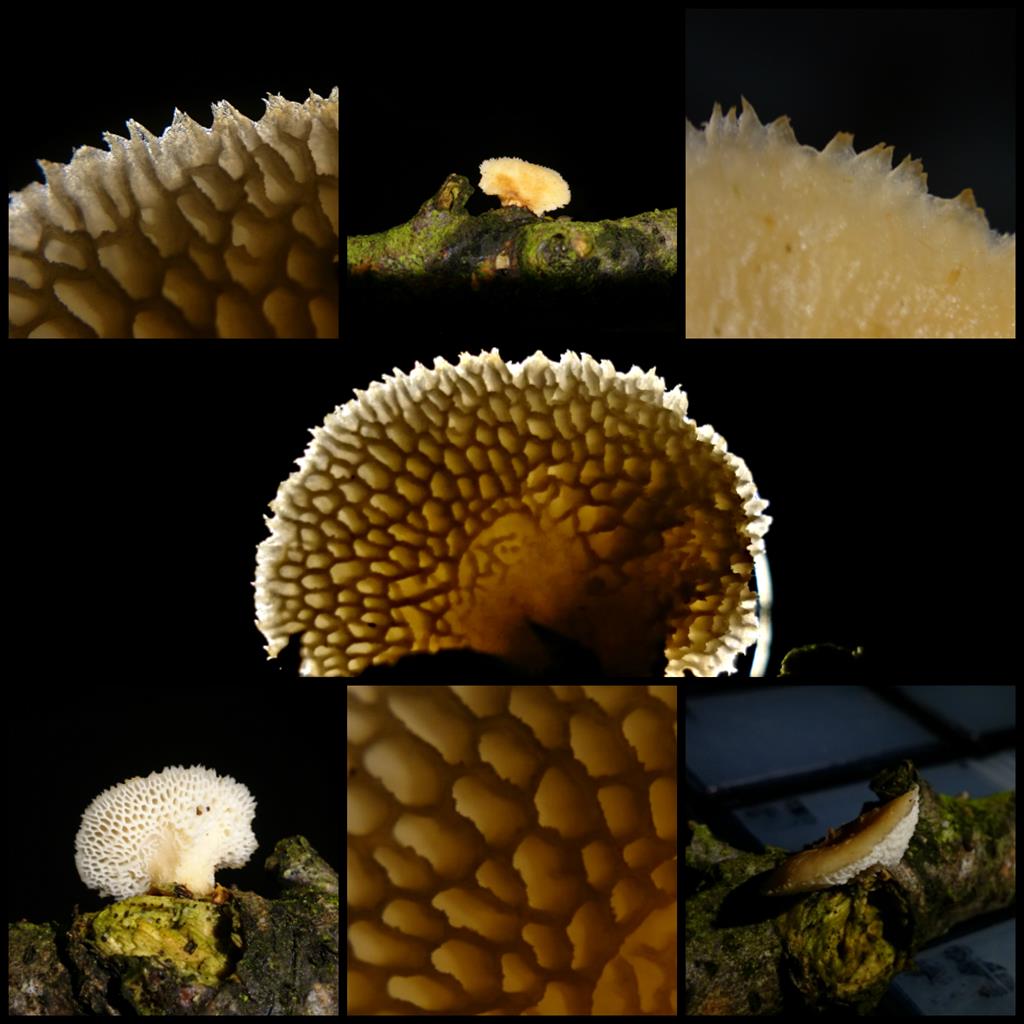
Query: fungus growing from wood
[[519, 183], [477, 505], [175, 826], [785, 242], [878, 838]]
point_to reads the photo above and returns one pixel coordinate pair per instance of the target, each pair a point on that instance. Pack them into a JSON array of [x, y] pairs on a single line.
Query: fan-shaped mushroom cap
[[453, 506], [520, 183], [176, 825], [878, 837]]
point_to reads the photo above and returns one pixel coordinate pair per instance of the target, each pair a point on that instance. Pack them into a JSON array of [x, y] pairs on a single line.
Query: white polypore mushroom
[[519, 183], [459, 506], [783, 241], [178, 825]]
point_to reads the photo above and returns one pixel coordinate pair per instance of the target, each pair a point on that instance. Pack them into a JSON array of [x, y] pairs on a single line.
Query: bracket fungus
[[222, 232], [175, 826], [784, 241], [512, 850], [519, 183], [877, 838], [462, 505]]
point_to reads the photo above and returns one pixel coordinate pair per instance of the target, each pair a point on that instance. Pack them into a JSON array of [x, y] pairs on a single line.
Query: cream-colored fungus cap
[[222, 232], [783, 241], [519, 183], [512, 850], [456, 505]]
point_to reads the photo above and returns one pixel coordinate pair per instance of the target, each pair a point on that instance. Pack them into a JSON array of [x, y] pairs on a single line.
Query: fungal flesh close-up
[[470, 505], [784, 241], [512, 850]]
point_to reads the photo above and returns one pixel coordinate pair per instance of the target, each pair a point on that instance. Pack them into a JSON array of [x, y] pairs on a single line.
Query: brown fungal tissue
[[512, 849], [519, 183], [226, 232], [462, 505]]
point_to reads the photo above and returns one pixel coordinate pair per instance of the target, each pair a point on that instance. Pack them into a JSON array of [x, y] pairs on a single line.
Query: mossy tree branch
[[840, 948], [237, 953], [444, 245]]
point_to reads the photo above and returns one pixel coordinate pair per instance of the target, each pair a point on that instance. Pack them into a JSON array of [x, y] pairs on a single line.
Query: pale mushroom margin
[[222, 232], [785, 242], [451, 507]]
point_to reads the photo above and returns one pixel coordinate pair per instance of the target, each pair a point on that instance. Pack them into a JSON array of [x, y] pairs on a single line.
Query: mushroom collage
[[484, 479]]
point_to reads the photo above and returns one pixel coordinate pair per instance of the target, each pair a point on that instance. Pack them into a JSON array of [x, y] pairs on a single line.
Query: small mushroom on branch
[[878, 838], [519, 183]]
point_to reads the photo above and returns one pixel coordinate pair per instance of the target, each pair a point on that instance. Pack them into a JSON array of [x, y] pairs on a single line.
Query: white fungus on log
[[453, 507], [222, 232], [175, 826], [878, 838]]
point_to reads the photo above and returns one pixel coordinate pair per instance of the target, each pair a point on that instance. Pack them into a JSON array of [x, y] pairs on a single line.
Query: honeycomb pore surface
[[512, 849]]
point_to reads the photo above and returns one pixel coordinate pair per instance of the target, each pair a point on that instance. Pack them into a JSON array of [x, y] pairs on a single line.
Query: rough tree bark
[[169, 955], [839, 948]]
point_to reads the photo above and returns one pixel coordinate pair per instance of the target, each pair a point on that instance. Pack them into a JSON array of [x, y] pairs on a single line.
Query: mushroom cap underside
[[877, 837]]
